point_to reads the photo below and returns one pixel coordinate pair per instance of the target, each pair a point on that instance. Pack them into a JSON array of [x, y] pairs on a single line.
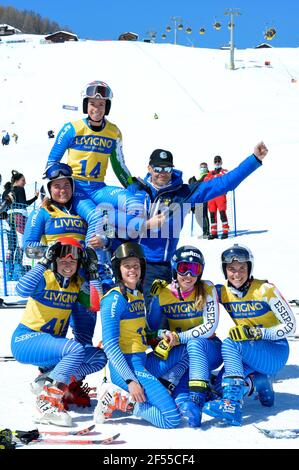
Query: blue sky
[[106, 20]]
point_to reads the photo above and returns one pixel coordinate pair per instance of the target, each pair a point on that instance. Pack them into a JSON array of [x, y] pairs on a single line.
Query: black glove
[[27, 436], [51, 254], [157, 286], [90, 263], [245, 333]]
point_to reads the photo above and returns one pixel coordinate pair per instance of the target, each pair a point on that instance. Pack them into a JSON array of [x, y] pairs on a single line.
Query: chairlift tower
[[177, 25], [231, 13]]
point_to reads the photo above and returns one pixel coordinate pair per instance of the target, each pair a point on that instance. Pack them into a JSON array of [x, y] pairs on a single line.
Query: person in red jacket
[[217, 203]]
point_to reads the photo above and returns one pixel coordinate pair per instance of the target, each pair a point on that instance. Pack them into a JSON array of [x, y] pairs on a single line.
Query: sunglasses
[[162, 169], [58, 169], [184, 267], [94, 91]]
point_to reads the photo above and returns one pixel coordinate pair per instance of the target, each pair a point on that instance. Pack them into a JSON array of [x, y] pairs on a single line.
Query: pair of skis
[[40, 437]]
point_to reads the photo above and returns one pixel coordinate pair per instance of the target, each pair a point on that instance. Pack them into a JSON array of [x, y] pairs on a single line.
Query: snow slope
[[204, 109]]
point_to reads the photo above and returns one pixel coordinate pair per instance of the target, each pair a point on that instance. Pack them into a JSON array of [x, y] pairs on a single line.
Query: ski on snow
[[80, 432], [28, 436], [106, 441], [279, 433]]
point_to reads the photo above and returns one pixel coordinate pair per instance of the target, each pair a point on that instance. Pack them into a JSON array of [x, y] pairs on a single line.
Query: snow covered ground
[[203, 110]]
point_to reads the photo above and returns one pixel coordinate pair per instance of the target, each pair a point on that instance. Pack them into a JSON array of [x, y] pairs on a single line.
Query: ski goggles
[[237, 254], [99, 91], [69, 251], [58, 169], [162, 169], [185, 267]]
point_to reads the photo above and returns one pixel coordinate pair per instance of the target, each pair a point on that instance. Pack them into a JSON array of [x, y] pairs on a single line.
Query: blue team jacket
[[160, 245]]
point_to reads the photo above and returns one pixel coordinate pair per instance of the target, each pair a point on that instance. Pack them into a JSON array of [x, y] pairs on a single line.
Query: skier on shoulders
[[91, 143]]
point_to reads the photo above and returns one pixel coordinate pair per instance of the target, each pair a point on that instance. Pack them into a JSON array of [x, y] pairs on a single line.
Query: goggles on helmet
[[237, 254], [69, 251], [185, 267], [162, 169], [99, 91], [58, 169]]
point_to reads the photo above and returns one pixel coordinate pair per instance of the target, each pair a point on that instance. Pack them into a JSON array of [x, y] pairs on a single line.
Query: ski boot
[[212, 236], [228, 408], [41, 380], [111, 398], [191, 410], [50, 407]]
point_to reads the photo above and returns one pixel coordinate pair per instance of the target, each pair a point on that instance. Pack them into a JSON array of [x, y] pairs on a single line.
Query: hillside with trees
[[29, 22]]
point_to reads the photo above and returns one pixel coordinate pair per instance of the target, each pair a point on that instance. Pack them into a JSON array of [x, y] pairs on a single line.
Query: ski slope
[[203, 109]]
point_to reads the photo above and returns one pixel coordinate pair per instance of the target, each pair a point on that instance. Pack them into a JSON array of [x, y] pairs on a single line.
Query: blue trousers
[[83, 322], [160, 408], [68, 358], [125, 210], [243, 357]]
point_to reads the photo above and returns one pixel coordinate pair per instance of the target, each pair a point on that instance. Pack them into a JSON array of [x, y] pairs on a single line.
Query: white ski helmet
[[237, 253]]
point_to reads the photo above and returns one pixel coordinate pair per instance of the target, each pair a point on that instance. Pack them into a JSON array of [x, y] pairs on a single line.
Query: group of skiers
[[115, 249]]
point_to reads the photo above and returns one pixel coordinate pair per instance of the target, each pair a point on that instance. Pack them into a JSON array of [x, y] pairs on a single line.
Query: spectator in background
[[51, 134], [17, 214], [218, 203], [15, 137], [201, 210], [6, 139]]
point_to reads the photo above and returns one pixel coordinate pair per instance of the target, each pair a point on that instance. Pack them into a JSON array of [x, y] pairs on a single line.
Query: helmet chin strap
[[63, 281]]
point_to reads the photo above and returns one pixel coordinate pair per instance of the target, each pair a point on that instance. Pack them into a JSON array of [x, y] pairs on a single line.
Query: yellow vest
[[253, 309], [49, 310], [90, 151], [63, 224], [132, 337], [181, 314]]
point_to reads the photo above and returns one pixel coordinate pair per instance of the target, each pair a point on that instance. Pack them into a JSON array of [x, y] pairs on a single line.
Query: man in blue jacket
[[170, 200]]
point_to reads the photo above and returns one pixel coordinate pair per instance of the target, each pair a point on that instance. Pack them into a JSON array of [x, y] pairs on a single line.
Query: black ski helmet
[[97, 89], [189, 254], [237, 253], [127, 250]]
